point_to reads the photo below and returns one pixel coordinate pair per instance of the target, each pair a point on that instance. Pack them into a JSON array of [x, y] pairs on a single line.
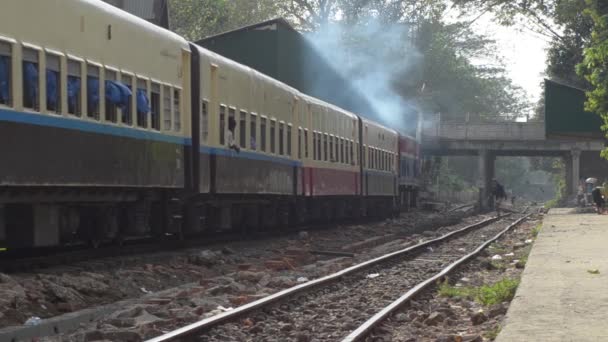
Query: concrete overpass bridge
[[487, 140]]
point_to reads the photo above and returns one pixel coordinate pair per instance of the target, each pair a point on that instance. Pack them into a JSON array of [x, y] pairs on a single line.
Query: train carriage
[[379, 171], [111, 127], [259, 179], [409, 171], [330, 173], [89, 118]]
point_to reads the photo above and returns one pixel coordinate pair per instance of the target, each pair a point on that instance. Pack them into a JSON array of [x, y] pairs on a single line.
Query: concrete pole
[[569, 174], [576, 170]]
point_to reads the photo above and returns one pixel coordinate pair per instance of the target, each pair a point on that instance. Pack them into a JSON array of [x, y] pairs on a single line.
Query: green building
[[565, 115], [276, 49]]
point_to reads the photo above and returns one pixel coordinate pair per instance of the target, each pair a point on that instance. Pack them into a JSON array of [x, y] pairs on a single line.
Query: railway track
[[39, 258], [340, 305]]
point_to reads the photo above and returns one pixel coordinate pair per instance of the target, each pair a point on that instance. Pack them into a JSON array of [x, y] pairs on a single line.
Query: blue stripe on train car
[[249, 155], [88, 126]]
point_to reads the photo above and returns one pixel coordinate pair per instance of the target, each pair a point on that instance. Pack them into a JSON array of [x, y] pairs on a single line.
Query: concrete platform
[[558, 299]]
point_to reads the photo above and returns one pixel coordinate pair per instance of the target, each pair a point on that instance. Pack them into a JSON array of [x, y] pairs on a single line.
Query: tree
[[595, 64], [196, 19]]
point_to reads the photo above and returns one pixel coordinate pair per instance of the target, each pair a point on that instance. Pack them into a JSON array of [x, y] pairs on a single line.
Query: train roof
[[139, 23], [265, 78]]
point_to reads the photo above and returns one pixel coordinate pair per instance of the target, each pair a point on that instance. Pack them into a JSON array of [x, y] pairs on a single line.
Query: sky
[[524, 53]]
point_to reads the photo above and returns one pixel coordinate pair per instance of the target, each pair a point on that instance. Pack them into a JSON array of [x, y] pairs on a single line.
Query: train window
[[222, 125], [177, 112], [113, 96], [325, 151], [30, 78], [74, 86], [253, 125], [263, 134], [204, 121], [53, 83], [127, 100], [352, 155], [273, 127], [289, 140], [306, 143], [281, 137], [6, 51], [314, 145], [243, 130], [342, 150], [142, 103], [319, 146], [167, 108], [331, 148], [155, 106], [93, 91], [299, 143]]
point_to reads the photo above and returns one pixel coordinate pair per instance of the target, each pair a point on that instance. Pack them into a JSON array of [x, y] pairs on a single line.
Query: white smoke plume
[[373, 56]]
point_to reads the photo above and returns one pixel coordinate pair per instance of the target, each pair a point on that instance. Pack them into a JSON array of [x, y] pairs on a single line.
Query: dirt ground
[[187, 285]]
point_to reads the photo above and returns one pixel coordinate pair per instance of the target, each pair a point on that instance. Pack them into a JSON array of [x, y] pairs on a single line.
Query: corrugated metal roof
[[141, 8]]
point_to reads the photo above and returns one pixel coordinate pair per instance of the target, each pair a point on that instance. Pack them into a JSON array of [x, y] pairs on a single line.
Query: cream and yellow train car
[[380, 166], [93, 120], [249, 170]]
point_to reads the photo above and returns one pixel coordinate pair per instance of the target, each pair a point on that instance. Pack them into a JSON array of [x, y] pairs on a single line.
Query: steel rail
[[363, 330], [197, 327]]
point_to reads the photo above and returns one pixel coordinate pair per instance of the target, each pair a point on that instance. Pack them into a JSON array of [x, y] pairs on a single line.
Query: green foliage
[[488, 295], [594, 67], [493, 333], [454, 86], [196, 19], [536, 229]]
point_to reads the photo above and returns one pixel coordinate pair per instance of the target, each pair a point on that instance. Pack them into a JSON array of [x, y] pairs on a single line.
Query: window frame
[[96, 116], [177, 109], [263, 132], [306, 143], [132, 105], [253, 131], [117, 74], [80, 98], [167, 104], [273, 134], [145, 122], [155, 122], [36, 107], [242, 128], [204, 124], [11, 77], [223, 122], [282, 145], [289, 133]]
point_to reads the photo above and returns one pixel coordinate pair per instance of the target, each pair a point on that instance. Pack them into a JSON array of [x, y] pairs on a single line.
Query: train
[[112, 128]]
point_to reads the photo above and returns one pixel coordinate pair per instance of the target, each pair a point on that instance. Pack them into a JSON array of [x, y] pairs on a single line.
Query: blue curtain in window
[[4, 78], [30, 81], [51, 88], [118, 94], [143, 105], [92, 92], [73, 91]]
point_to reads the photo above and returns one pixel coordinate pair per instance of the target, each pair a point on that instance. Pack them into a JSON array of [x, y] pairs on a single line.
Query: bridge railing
[[508, 131]]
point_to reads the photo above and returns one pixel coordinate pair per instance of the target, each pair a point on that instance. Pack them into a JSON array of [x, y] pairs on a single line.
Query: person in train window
[[231, 141]]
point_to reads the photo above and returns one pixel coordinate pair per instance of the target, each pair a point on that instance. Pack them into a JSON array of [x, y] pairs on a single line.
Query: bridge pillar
[[486, 173], [575, 156]]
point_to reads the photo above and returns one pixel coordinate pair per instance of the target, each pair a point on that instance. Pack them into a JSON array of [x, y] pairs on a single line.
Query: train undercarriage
[[47, 217]]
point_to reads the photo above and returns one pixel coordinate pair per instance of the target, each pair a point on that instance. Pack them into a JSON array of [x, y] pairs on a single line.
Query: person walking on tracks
[[498, 194]]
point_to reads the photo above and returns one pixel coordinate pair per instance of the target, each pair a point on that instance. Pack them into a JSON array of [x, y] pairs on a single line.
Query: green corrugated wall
[[565, 112]]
